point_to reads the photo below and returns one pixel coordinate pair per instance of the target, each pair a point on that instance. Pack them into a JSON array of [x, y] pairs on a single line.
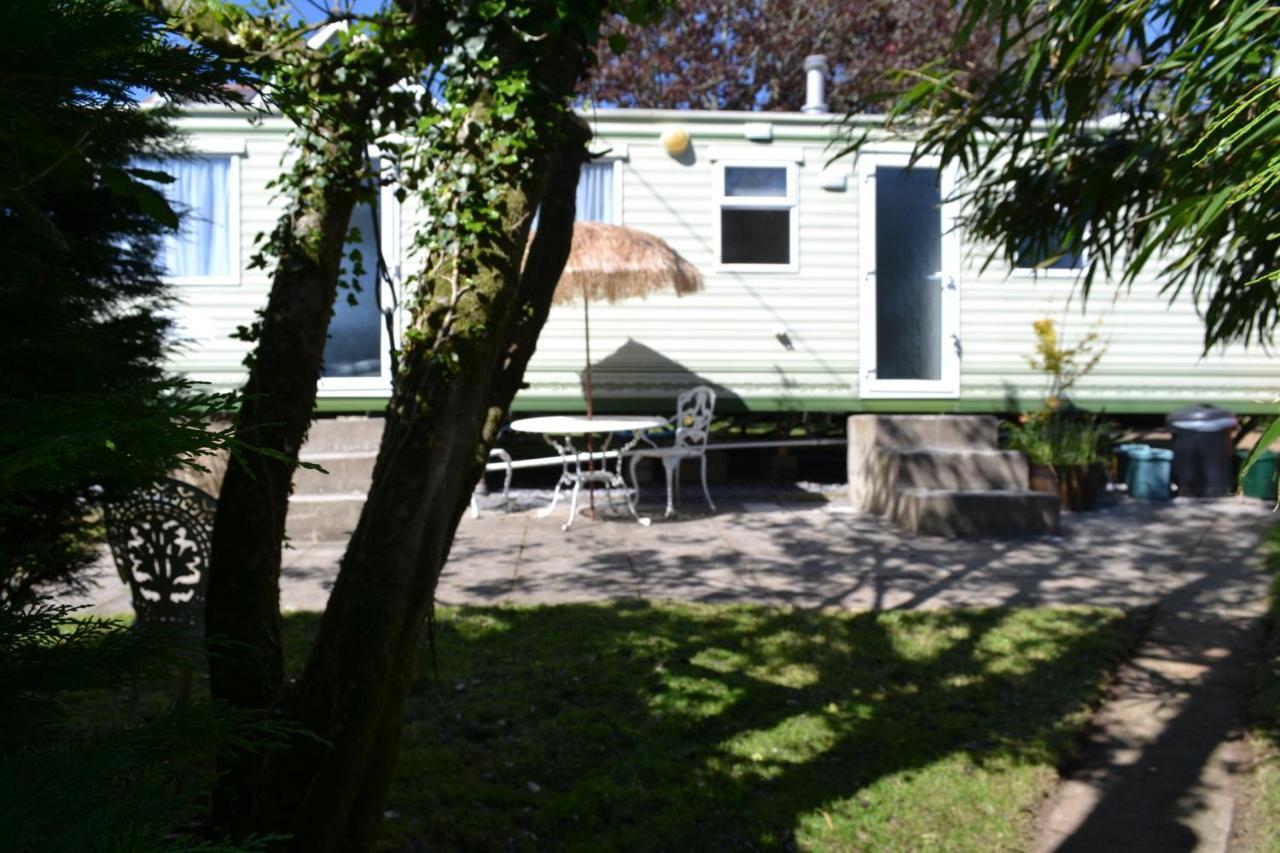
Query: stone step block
[[973, 432], [323, 518], [872, 436], [347, 472], [973, 513], [345, 434], [947, 468]]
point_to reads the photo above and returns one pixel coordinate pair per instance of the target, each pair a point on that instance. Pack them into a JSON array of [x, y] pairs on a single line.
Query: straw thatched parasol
[[613, 262]]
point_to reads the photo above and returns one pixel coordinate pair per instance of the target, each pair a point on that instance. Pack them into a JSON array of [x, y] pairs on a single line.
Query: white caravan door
[[909, 289]]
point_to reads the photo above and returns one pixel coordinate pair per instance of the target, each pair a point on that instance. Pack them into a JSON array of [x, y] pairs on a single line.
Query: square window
[[203, 194], [757, 216], [1032, 254]]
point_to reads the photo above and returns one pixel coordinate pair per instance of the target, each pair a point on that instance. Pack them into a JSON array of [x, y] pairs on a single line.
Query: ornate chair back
[[160, 540], [694, 411]]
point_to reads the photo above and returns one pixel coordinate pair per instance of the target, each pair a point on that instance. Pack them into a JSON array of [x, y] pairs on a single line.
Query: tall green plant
[[1141, 135], [84, 400], [1062, 365], [1057, 434]]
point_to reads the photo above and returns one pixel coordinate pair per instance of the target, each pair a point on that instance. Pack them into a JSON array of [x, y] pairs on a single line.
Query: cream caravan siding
[[1153, 347], [788, 337], [766, 340]]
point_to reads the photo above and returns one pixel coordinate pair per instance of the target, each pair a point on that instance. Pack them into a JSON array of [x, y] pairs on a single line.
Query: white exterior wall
[[727, 334], [1153, 356]]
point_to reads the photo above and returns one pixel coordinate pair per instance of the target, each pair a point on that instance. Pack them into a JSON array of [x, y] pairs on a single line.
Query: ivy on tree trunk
[[482, 154]]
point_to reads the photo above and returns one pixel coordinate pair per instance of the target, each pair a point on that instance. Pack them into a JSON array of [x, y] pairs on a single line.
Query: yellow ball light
[[675, 140]]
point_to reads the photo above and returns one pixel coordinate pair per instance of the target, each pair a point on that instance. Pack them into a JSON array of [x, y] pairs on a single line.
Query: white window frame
[[389, 243], [234, 218], [869, 386], [790, 203]]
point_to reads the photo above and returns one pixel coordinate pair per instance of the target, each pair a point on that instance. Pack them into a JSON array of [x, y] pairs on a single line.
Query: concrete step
[[330, 435], [347, 472], [949, 468], [323, 517], [972, 432], [872, 437], [970, 512]]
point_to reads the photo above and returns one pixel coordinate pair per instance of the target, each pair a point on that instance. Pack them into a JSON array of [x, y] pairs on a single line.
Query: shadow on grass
[[637, 726]]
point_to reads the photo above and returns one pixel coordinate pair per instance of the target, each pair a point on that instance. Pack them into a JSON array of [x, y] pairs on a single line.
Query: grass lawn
[[1263, 811], [643, 726]]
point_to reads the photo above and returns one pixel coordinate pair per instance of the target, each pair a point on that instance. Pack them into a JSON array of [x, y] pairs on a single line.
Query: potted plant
[[1067, 452]]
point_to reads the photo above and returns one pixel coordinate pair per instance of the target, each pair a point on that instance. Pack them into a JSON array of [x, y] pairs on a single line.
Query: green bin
[[1122, 460], [1260, 482], [1148, 474]]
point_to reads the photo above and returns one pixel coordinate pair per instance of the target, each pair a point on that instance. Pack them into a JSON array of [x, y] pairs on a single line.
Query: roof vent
[[815, 81]]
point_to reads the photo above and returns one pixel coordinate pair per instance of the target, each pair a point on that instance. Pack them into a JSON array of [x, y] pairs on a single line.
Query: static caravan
[[838, 286]]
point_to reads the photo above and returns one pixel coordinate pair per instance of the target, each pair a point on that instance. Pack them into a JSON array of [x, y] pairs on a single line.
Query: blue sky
[[313, 10]]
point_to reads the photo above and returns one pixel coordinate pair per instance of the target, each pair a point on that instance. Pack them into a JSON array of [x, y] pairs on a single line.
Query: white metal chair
[[692, 426], [161, 537], [505, 457]]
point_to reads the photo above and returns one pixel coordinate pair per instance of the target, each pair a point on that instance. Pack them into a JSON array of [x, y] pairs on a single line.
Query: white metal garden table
[[559, 432]]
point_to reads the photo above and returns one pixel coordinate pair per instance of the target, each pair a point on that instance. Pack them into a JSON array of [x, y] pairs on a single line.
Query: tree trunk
[[329, 795], [243, 604]]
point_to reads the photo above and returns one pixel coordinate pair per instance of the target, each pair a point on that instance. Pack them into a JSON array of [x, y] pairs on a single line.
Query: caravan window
[[204, 193], [597, 193], [598, 198], [1049, 256], [757, 220]]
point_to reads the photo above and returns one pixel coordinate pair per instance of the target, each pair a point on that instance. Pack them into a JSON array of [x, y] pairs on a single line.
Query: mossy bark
[[243, 605], [329, 793]]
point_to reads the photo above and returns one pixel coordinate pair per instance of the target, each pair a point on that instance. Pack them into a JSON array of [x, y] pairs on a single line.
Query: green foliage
[[68, 746], [1063, 366], [1141, 135], [476, 162], [1269, 437], [1058, 434], [1060, 438], [83, 399]]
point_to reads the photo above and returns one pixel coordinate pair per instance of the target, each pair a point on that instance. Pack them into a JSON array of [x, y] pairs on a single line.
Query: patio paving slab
[[1131, 554]]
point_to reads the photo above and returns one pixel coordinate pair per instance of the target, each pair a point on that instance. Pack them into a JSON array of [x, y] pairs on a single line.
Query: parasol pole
[[591, 458], [586, 325]]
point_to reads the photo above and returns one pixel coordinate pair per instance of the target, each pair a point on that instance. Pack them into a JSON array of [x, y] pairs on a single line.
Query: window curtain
[[595, 193], [200, 195]]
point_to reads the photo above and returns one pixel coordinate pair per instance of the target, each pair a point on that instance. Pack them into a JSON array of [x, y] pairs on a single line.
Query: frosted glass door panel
[[355, 332], [907, 275]]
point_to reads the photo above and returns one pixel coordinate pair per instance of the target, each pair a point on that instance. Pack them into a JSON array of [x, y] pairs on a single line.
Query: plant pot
[[1043, 479], [1080, 485]]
